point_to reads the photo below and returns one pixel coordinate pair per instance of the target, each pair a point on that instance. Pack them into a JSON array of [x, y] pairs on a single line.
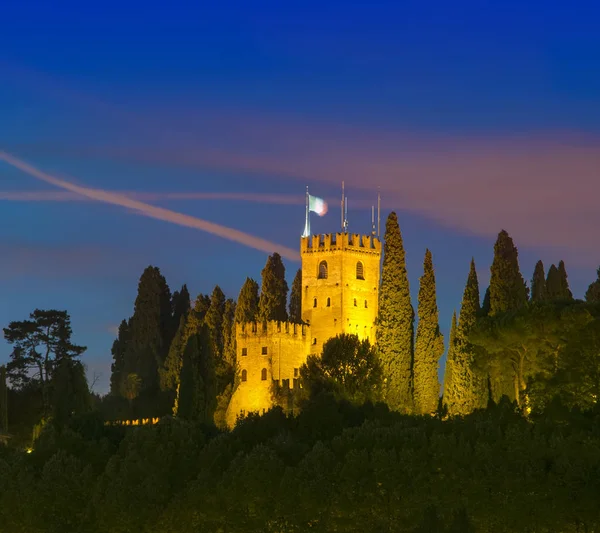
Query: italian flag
[[317, 205]]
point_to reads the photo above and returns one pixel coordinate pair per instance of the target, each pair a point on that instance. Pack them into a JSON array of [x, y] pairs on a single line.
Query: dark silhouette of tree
[[118, 351], [395, 325], [295, 314], [508, 291], [486, 305], [229, 343], [557, 286], [214, 321], [71, 395], [429, 344], [3, 401], [592, 295], [274, 290], [39, 345], [247, 304], [130, 388], [538, 283], [180, 307]]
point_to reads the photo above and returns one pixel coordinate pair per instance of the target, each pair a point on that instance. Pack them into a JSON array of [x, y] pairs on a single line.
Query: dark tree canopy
[[118, 351], [592, 295], [71, 395], [247, 303], [214, 321], [274, 291], [348, 366], [429, 344], [295, 315], [150, 329], [508, 291], [538, 283], [39, 345], [229, 344], [395, 325], [3, 401], [180, 307]]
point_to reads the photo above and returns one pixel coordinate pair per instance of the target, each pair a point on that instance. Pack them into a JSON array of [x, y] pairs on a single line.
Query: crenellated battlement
[[340, 241], [273, 327]]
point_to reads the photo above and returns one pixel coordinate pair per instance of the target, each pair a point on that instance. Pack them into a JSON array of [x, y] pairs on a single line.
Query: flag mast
[[307, 223], [378, 212]]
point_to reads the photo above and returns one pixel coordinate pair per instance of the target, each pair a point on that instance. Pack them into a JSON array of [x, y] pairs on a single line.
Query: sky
[[183, 135]]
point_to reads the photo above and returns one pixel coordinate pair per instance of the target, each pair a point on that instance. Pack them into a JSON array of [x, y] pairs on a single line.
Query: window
[[244, 375], [295, 372], [314, 341], [264, 350], [315, 302], [355, 302], [360, 271], [328, 302], [366, 306], [263, 374], [322, 270], [244, 351]]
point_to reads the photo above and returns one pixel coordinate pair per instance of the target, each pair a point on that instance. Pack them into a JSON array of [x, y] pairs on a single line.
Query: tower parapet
[[330, 242], [272, 327]]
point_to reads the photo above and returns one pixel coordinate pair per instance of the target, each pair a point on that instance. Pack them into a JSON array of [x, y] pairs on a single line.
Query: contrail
[[154, 212]]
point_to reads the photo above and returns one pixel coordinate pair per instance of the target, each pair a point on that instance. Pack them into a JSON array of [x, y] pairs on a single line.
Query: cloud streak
[[153, 211]]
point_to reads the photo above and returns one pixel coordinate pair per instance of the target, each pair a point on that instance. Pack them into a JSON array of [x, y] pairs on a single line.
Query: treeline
[[335, 467]]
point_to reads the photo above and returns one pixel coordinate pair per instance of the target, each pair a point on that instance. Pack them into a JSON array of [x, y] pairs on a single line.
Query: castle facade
[[340, 294]]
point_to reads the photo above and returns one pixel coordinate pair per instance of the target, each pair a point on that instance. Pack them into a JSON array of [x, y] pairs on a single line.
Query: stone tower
[[340, 286]]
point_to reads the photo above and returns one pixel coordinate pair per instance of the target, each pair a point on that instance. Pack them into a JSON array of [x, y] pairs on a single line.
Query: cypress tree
[[565, 291], [118, 350], [429, 344], [508, 291], [395, 325], [296, 299], [150, 329], [592, 295], [554, 285], [214, 321], [169, 373], [485, 306], [246, 309], [274, 290], [180, 306], [538, 283], [3, 401], [448, 394], [229, 343]]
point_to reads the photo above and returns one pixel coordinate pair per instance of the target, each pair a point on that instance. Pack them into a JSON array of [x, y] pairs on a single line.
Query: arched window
[[328, 302], [360, 271], [244, 375], [315, 302], [322, 270], [263, 374]]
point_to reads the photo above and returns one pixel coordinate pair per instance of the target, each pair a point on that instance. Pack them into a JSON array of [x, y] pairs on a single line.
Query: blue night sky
[[471, 117]]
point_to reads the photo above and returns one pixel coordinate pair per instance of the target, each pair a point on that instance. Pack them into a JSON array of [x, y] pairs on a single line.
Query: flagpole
[[307, 224]]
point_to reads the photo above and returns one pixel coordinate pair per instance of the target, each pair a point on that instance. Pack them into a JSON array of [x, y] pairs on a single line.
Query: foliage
[[538, 283], [39, 345], [395, 324], [508, 291], [71, 393], [274, 289], [557, 286], [214, 321], [229, 344], [592, 294], [429, 344], [348, 367], [118, 351], [247, 304], [295, 309], [3, 401]]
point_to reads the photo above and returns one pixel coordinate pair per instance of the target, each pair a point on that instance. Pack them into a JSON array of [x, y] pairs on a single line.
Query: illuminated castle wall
[[340, 290]]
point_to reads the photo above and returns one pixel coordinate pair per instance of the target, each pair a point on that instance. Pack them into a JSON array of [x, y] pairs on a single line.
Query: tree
[[429, 344], [592, 295], [557, 286], [229, 343], [130, 388], [169, 372], [348, 366], [247, 303], [39, 345], [150, 330], [296, 299], [118, 351], [273, 294], [3, 401], [508, 291], [180, 307], [565, 291], [71, 392], [538, 283], [395, 324], [449, 371], [486, 306], [214, 321]]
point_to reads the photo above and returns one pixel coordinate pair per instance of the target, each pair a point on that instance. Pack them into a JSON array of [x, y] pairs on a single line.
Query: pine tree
[[246, 309], [538, 283], [118, 351], [395, 325], [229, 343], [448, 394], [3, 401], [214, 321], [508, 291], [296, 299], [592, 295], [150, 329], [274, 290], [429, 344]]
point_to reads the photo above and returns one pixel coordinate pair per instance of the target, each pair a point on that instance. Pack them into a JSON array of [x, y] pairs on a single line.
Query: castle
[[340, 294]]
